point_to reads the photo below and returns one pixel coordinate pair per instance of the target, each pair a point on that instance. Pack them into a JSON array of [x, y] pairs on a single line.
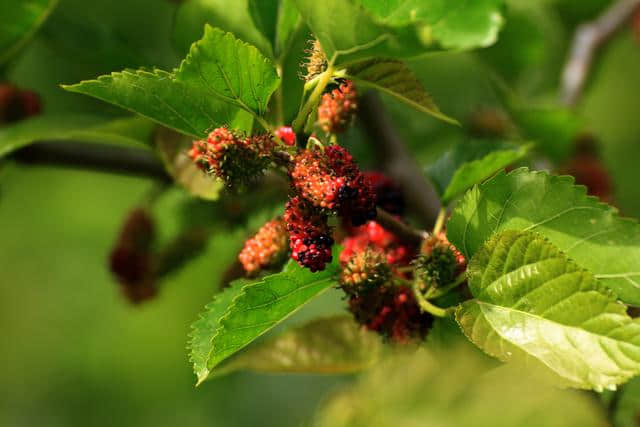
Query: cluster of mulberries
[[232, 157], [17, 104], [309, 234], [439, 262], [373, 235], [330, 179], [370, 261], [131, 259], [337, 108], [265, 248], [391, 311]]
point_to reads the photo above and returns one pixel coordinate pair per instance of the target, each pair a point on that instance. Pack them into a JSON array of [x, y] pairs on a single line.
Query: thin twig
[[396, 160], [403, 231], [101, 157], [588, 38]]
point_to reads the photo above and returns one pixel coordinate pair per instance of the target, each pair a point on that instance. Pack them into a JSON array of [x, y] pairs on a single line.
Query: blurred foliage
[[449, 389], [74, 353]]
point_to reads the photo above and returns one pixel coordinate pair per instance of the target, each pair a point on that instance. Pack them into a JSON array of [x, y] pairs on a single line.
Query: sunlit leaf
[[396, 79], [250, 309], [220, 82], [533, 302], [589, 232]]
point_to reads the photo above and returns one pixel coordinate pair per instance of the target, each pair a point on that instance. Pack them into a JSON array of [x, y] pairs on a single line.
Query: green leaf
[[172, 148], [450, 390], [160, 97], [207, 326], [348, 32], [264, 14], [287, 25], [627, 409], [230, 324], [229, 69], [133, 131], [452, 24], [589, 232], [469, 164], [335, 345], [19, 20], [396, 79], [219, 83], [233, 16], [533, 302]]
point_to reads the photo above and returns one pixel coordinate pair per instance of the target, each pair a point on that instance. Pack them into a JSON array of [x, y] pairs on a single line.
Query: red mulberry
[[388, 195], [337, 108], [314, 180], [17, 104], [287, 135], [374, 235], [265, 248], [392, 312], [131, 259], [309, 234], [236, 160], [332, 180]]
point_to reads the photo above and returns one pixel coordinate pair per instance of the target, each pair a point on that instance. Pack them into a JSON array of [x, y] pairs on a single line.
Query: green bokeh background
[[73, 353]]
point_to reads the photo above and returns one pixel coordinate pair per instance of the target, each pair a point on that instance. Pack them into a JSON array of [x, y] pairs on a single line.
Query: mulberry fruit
[[388, 195], [235, 159], [391, 311], [17, 104], [337, 108], [265, 248], [309, 234], [314, 180], [374, 235], [287, 135], [131, 259], [331, 179], [364, 270], [439, 262]]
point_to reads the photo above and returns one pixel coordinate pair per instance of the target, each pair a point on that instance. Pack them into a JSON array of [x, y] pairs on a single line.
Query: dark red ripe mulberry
[[17, 104], [131, 260], [235, 159], [287, 135], [388, 195], [392, 312], [374, 235], [356, 199], [337, 108], [265, 248], [309, 234]]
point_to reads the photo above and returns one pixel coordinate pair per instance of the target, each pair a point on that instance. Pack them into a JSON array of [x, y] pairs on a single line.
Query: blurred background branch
[[588, 38]]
